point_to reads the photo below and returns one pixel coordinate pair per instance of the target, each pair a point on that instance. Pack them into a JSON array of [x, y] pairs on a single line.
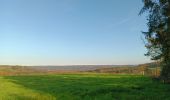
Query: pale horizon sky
[[71, 32]]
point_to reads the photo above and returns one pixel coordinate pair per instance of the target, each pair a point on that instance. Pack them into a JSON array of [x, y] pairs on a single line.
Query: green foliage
[[82, 87], [158, 34]]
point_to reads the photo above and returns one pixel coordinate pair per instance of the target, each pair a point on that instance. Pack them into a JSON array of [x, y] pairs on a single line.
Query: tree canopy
[[158, 34]]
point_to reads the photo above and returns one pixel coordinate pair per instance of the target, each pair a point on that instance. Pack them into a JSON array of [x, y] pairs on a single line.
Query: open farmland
[[89, 86]]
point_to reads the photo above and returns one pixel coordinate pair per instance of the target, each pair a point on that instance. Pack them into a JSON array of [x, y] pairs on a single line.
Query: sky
[[71, 32]]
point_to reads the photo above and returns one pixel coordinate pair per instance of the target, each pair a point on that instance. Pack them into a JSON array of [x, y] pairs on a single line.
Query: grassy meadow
[[82, 87]]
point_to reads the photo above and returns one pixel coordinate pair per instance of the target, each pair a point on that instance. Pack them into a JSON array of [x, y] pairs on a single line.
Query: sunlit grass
[[82, 87], [13, 91]]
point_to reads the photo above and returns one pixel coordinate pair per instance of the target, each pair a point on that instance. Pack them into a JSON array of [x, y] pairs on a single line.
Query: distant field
[[82, 87], [150, 69]]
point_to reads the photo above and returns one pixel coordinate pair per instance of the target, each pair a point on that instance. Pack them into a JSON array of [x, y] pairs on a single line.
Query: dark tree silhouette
[[158, 34]]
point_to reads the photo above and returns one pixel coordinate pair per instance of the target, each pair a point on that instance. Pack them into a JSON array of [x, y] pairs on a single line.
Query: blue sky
[[71, 32]]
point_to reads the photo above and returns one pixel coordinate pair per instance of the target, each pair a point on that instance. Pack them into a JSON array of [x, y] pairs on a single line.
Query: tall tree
[[158, 34]]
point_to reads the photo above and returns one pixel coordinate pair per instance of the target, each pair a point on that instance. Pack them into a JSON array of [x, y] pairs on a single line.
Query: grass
[[82, 87]]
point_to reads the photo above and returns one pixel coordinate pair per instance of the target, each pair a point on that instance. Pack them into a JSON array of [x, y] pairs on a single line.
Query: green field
[[82, 87]]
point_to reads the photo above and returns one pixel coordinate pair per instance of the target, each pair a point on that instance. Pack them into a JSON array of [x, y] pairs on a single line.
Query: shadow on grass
[[67, 87]]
